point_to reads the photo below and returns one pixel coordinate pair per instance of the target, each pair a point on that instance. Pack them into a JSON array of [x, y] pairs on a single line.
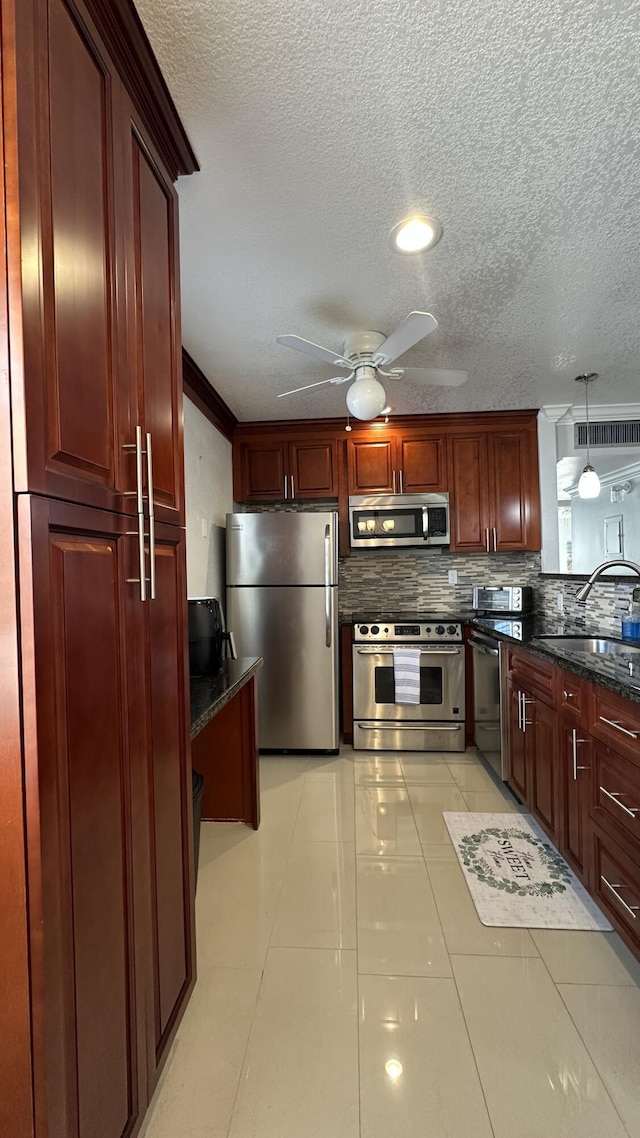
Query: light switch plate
[[453, 576]]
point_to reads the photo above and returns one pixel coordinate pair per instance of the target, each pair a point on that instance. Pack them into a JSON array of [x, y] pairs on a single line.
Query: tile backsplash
[[418, 579], [604, 608]]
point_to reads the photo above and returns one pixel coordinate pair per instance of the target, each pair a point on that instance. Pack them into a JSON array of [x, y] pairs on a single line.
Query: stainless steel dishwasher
[[488, 724]]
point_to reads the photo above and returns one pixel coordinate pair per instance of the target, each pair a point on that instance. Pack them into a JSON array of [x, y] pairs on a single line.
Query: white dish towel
[[406, 674]]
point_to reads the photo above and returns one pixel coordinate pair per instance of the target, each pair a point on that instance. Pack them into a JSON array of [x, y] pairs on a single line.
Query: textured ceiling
[[318, 126]]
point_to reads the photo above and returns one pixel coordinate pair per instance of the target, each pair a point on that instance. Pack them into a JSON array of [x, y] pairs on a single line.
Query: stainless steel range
[[436, 723]]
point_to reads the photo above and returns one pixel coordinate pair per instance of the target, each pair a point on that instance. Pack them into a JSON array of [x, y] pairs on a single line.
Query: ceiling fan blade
[[414, 328], [337, 380], [438, 376], [310, 349]]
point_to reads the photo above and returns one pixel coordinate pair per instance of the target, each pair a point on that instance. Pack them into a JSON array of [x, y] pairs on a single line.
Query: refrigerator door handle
[[327, 584]]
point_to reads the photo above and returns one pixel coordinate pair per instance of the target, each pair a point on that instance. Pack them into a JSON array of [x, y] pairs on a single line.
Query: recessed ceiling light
[[415, 234]]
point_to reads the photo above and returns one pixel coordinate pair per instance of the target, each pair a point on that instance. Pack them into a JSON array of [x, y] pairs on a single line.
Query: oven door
[[441, 684]]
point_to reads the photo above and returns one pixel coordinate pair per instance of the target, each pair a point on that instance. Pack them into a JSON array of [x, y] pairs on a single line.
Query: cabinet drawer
[[616, 885], [572, 697], [535, 675], [616, 790], [616, 721]]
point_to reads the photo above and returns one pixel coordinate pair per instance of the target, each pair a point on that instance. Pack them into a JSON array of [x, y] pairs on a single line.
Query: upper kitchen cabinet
[[91, 234], [493, 481], [274, 468], [406, 461]]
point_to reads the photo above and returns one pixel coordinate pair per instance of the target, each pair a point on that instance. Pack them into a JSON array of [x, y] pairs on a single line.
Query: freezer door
[[282, 549], [295, 630]]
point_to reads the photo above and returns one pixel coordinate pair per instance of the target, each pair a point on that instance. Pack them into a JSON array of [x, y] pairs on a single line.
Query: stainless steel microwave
[[378, 520]]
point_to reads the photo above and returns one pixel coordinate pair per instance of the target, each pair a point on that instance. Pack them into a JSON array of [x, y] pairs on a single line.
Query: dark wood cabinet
[[86, 857], [493, 481], [518, 767], [574, 772], [407, 461], [532, 733], [574, 761], [90, 343], [276, 469], [371, 465], [469, 490]]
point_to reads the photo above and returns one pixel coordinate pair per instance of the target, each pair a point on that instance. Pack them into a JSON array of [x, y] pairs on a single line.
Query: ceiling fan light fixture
[[366, 398], [415, 234]]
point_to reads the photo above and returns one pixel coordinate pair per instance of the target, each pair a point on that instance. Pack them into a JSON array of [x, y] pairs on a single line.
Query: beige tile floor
[[347, 989]]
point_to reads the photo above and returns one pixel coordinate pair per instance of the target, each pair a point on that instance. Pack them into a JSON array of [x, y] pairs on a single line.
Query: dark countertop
[[209, 694], [619, 674]]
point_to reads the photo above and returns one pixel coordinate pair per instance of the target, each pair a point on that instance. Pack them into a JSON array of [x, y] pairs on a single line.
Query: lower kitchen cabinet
[[574, 761], [108, 813], [518, 766], [574, 774], [532, 748]]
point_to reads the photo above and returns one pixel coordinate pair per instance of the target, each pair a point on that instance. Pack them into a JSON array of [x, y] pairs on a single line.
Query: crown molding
[[197, 388], [121, 28], [577, 412]]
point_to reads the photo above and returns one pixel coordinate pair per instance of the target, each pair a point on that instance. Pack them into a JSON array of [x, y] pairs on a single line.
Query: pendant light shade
[[589, 484]]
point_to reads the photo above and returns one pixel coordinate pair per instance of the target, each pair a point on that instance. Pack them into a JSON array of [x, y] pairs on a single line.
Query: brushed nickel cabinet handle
[[285, 487], [631, 909], [618, 727], [401, 482], [152, 523], [495, 541], [142, 579], [486, 539], [614, 795]]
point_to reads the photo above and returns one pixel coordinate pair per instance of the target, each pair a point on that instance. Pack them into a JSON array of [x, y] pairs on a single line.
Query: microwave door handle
[[425, 523]]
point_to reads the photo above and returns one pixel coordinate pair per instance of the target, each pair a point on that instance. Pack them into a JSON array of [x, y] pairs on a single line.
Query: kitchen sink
[[591, 644]]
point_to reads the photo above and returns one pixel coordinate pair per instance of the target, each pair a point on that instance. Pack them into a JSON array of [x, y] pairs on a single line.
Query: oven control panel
[[420, 632]]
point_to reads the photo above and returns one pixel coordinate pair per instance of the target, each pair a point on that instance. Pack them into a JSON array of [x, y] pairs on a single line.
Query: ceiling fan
[[364, 355]]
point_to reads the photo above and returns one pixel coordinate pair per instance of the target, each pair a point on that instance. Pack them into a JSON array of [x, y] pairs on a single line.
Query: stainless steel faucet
[[583, 593]]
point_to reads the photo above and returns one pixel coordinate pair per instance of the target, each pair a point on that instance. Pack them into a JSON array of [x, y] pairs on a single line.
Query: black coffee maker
[[205, 636]]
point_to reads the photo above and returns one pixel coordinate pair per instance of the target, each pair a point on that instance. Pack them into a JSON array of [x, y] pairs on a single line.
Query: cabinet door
[[80, 651], [149, 230], [72, 411], [259, 469], [540, 736], [371, 465], [574, 764], [468, 486], [169, 795], [313, 466], [518, 774], [422, 460], [513, 479]]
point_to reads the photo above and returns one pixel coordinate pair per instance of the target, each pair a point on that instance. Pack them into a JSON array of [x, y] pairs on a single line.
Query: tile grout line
[[582, 1040], [262, 969], [455, 983]]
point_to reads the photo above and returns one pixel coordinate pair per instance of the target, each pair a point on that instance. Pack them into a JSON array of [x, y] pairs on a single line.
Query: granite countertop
[[619, 674], [209, 694]]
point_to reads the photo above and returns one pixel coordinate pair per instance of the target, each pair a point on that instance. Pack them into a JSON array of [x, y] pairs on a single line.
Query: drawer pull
[[615, 797], [568, 695], [619, 727], [631, 909]]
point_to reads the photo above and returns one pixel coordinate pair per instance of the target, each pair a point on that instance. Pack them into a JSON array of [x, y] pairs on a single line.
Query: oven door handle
[[369, 650], [400, 726]]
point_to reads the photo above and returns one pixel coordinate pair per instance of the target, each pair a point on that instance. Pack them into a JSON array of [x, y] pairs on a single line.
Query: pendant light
[[589, 484]]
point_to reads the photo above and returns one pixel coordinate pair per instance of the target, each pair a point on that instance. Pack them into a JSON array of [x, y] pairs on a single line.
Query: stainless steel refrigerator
[[282, 594]]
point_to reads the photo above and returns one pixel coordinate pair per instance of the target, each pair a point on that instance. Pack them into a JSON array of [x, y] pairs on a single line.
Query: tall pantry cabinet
[[96, 889]]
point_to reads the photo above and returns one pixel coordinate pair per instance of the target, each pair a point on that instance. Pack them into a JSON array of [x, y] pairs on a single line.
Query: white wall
[[209, 496], [587, 517]]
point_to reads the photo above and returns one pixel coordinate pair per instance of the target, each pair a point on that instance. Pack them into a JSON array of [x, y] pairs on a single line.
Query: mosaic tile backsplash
[[418, 579]]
